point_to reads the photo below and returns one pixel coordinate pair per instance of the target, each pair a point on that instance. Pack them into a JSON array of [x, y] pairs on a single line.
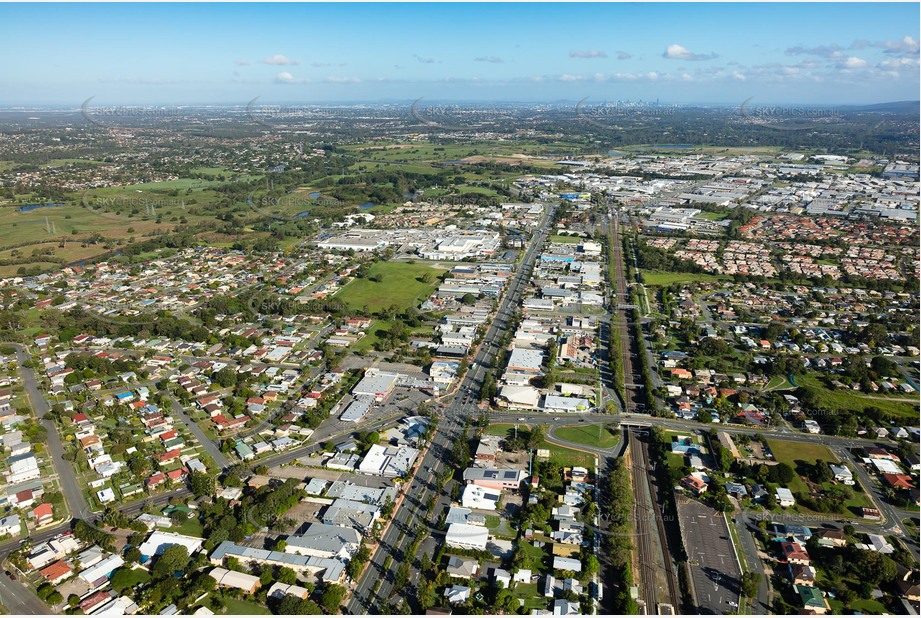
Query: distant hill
[[895, 107]]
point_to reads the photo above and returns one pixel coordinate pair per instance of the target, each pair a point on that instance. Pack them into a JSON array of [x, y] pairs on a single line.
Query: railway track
[[655, 560], [622, 296]]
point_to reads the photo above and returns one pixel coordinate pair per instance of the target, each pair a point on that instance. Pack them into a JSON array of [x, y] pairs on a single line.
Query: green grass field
[[712, 216], [596, 435], [243, 607], [851, 400], [789, 452], [778, 383], [662, 278], [568, 456], [498, 429], [138, 576], [399, 286], [569, 240]]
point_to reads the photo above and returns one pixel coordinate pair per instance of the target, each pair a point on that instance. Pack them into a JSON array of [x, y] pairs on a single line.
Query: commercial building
[[351, 514], [388, 461], [325, 541], [357, 409], [377, 384], [569, 405]]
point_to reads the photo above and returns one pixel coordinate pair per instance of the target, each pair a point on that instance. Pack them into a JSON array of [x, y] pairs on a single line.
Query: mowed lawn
[[243, 607], [400, 285], [789, 452], [661, 278], [569, 240], [597, 435]]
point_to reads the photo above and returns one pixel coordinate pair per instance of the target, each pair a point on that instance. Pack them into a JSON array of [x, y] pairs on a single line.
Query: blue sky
[[684, 53]]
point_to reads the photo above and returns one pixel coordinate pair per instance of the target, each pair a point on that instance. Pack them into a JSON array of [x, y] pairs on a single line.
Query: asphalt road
[[76, 501], [17, 599], [203, 439]]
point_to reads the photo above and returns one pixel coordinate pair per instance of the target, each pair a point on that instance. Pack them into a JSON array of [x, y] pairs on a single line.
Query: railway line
[[655, 563], [621, 299]]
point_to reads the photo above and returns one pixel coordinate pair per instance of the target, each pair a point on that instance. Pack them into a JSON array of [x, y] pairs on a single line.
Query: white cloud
[[592, 53], [241, 63], [424, 60], [285, 78], [492, 59], [852, 62], [622, 55], [677, 52], [342, 80], [278, 60], [899, 63]]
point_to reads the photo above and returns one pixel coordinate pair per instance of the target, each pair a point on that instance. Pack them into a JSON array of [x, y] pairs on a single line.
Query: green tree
[[287, 576], [122, 579], [226, 377], [750, 584], [332, 597], [174, 558], [133, 555], [201, 484]]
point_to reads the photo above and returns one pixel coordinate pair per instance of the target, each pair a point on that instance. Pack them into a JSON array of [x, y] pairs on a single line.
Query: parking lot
[[715, 574]]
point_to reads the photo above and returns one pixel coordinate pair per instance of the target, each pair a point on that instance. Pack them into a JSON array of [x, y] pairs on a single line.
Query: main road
[[375, 587]]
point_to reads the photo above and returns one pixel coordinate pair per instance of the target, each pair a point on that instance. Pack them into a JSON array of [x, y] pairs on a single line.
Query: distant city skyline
[[689, 54]]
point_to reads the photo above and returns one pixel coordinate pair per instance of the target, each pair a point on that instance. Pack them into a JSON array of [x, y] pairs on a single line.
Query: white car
[[520, 418]]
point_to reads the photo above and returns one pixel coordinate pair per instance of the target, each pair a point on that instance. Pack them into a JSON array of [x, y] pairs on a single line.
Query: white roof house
[[279, 590], [785, 497], [562, 607], [457, 594], [10, 525], [235, 579], [157, 543], [466, 536], [96, 574], [567, 564], [478, 497]]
